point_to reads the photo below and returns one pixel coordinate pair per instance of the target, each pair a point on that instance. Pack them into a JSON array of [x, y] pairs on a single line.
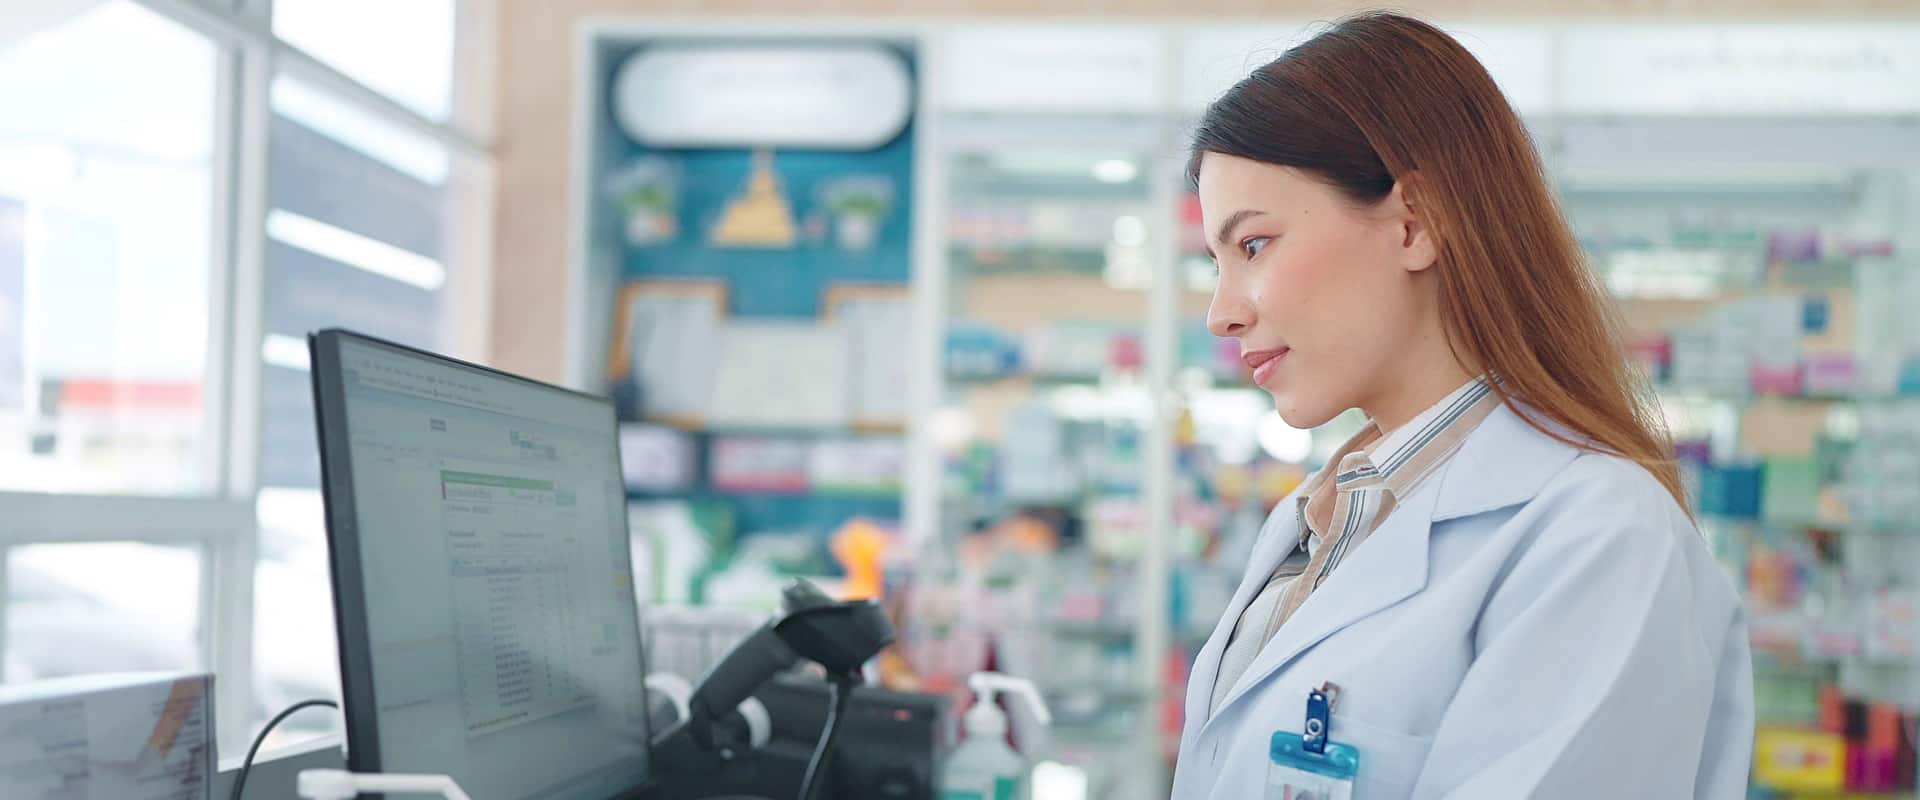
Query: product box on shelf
[[1893, 626], [1731, 491], [1830, 374], [1654, 355], [1790, 489], [1796, 760]]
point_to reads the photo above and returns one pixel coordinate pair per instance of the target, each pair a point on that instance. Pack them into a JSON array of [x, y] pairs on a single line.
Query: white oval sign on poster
[[825, 97]]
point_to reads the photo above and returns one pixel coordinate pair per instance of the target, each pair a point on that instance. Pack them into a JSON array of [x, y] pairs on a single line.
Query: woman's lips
[[1263, 363]]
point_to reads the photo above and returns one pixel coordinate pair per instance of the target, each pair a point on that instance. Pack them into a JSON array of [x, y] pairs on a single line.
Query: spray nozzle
[[986, 718]]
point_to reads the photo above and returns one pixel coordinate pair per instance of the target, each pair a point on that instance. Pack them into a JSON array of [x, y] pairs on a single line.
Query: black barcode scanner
[[840, 636]]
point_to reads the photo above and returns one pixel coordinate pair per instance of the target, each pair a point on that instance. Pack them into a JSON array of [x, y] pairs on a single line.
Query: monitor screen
[[488, 622]]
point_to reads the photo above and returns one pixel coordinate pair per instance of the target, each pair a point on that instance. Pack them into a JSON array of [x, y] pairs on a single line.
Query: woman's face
[[1326, 298]]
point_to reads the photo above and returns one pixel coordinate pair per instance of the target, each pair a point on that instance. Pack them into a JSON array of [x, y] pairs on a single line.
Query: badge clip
[[1319, 717]]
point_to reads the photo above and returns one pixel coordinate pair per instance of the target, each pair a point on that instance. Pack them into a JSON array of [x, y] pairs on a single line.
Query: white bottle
[[983, 767]]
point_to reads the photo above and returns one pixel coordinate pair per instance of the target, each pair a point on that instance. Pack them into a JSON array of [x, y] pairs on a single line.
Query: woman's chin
[[1299, 414]]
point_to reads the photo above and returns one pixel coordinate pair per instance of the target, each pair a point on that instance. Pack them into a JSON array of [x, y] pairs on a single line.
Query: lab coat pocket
[[1390, 761]]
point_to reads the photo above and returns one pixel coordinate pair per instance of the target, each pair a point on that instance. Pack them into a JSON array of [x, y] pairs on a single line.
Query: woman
[[1496, 582]]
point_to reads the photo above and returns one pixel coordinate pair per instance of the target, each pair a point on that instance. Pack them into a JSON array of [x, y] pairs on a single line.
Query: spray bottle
[[984, 767]]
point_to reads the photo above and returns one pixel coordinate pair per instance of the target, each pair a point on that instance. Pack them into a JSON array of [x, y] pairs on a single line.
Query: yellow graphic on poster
[[761, 217]]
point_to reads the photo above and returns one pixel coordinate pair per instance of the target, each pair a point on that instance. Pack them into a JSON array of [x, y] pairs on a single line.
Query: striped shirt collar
[[1402, 459]]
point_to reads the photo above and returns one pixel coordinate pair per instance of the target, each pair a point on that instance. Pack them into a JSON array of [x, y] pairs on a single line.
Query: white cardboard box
[[127, 736]]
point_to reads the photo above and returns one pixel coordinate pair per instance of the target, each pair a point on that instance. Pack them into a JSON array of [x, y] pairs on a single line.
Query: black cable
[[240, 778], [839, 689]]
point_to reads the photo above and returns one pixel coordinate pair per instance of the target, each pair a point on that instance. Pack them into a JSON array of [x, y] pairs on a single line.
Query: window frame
[[223, 523]]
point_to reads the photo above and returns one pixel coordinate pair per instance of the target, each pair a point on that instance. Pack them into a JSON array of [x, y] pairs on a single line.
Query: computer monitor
[[482, 584]]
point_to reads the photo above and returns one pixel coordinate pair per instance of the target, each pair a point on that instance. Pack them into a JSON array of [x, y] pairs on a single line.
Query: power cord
[[839, 690], [246, 765]]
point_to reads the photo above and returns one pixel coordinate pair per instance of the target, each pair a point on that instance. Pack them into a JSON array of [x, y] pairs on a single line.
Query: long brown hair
[[1381, 98]]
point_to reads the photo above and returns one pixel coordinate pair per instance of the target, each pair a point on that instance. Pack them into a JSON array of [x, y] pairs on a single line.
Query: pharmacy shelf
[[1022, 380], [1723, 396]]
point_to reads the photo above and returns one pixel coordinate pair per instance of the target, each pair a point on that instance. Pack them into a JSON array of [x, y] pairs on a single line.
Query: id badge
[[1307, 765], [1296, 774]]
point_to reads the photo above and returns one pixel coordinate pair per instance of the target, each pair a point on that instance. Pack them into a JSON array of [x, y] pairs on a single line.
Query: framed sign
[[656, 458], [760, 464], [665, 340], [780, 374], [877, 319], [1773, 68], [825, 96], [1098, 69]]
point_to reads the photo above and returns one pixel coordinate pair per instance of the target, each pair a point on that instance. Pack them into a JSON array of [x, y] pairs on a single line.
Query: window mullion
[[230, 567], [227, 588], [5, 595], [253, 126], [251, 26], [294, 62], [217, 398], [31, 518]]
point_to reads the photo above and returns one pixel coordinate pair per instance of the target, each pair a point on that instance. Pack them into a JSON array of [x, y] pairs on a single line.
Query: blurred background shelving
[[962, 364], [1094, 466]]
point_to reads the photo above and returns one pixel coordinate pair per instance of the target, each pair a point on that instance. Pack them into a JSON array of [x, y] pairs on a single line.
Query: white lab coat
[[1533, 621]]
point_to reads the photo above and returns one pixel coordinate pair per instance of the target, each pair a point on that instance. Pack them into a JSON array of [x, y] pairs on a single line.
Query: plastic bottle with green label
[[984, 767]]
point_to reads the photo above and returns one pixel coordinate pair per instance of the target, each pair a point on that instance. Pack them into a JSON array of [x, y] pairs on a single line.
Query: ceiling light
[[1114, 170]]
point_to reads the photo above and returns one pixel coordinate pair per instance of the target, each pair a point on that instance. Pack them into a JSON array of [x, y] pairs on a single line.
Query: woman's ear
[[1417, 247]]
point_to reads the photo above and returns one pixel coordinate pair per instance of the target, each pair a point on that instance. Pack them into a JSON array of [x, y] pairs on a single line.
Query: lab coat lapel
[[1504, 462], [1277, 538], [1390, 566]]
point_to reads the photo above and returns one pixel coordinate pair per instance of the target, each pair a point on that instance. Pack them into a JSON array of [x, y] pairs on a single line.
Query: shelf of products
[[1771, 317], [1040, 436]]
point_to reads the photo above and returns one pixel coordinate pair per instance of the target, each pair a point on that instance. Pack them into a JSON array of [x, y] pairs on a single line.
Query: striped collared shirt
[[1343, 504]]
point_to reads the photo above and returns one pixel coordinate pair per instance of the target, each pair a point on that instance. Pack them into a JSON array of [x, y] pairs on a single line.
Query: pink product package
[[1830, 374], [1775, 379]]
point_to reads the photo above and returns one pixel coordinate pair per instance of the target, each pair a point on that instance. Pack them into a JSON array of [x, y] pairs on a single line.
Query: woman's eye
[[1253, 246]]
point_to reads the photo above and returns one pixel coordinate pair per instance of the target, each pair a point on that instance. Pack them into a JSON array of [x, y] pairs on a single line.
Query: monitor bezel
[[359, 707]]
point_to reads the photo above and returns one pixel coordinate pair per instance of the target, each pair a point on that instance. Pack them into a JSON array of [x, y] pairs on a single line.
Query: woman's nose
[[1227, 318]]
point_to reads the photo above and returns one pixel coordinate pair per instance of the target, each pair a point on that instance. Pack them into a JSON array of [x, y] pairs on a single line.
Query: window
[[101, 606], [357, 237], [183, 196], [408, 56], [108, 378], [106, 183], [354, 239], [294, 655]]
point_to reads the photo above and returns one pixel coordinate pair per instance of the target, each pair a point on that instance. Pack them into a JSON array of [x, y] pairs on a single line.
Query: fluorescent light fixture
[[354, 250], [1227, 420], [1114, 170], [951, 428], [1091, 403], [1708, 176], [1282, 441], [1053, 780], [281, 350], [285, 508], [383, 141]]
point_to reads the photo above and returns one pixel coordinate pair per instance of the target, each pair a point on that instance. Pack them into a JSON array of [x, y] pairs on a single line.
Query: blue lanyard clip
[[1319, 717]]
